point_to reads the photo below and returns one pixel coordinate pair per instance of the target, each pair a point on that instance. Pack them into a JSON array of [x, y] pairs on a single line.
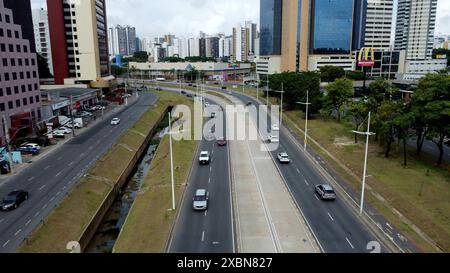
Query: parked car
[[29, 148], [200, 200], [283, 158], [325, 192], [204, 158], [115, 121], [42, 141], [86, 114], [65, 130], [13, 200], [99, 107], [58, 134], [222, 142], [273, 139], [224, 87]]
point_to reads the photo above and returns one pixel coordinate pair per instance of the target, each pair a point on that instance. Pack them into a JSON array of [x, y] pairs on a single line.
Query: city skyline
[[217, 21]]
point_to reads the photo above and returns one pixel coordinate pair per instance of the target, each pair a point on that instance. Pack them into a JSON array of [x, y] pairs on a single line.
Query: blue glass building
[[271, 27], [337, 26]]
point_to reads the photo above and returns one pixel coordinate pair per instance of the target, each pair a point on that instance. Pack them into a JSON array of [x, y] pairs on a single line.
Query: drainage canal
[[108, 231]]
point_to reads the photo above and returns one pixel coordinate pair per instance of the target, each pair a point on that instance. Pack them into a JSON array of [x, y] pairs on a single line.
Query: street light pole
[[171, 163], [306, 119], [267, 91], [367, 134]]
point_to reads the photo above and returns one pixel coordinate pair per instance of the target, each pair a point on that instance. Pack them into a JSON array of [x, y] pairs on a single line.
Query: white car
[[115, 121], [31, 146], [58, 134], [65, 130], [204, 158], [200, 200], [275, 127], [274, 139], [283, 158]]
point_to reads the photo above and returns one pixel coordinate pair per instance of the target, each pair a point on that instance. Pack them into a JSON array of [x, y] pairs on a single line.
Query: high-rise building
[[122, 40], [379, 24], [241, 44], [202, 47], [23, 16], [20, 102], [42, 36], [212, 47], [416, 21], [138, 45], [253, 35], [225, 44], [131, 40], [78, 34], [301, 35], [194, 47]]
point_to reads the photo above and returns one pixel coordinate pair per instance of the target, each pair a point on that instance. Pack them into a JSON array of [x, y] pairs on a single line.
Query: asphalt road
[[51, 178], [209, 231]]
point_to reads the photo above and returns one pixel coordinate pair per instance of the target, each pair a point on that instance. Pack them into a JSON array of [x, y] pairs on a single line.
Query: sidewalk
[[46, 151]]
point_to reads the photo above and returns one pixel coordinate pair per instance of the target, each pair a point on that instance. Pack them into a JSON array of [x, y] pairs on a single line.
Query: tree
[[379, 92], [387, 113], [431, 100], [338, 93], [359, 111], [173, 60], [43, 70], [118, 71], [403, 123], [330, 73], [355, 75]]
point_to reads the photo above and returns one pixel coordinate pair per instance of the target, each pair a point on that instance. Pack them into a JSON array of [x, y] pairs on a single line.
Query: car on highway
[[204, 158], [283, 158], [230, 93], [200, 200], [115, 121], [273, 139], [13, 200], [183, 92], [248, 103], [213, 115], [29, 148], [222, 142], [325, 192], [275, 127], [224, 87]]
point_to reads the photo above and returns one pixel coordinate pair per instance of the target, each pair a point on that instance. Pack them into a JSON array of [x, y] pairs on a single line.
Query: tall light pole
[[306, 119], [367, 134], [267, 91], [281, 107], [171, 162]]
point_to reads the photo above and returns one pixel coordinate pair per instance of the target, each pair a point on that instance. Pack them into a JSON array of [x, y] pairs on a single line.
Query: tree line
[[423, 116]]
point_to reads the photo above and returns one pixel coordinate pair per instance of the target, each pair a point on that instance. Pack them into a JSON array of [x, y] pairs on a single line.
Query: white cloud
[[188, 17]]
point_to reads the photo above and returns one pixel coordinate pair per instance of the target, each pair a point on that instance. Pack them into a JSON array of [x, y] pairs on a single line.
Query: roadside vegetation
[[68, 220], [414, 183]]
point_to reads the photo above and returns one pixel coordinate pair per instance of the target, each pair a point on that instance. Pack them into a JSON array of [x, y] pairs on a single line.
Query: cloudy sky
[[188, 17]]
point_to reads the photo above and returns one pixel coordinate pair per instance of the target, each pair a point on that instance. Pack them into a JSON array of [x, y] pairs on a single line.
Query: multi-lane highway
[[49, 179], [209, 231]]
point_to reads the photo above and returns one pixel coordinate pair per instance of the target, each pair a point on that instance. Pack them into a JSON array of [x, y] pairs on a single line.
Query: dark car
[[183, 92], [249, 103], [158, 89], [222, 142], [224, 87], [13, 200], [190, 84], [189, 95], [325, 192], [28, 150]]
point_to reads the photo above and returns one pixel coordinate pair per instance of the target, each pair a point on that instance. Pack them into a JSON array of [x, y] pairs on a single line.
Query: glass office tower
[[271, 27], [337, 26]]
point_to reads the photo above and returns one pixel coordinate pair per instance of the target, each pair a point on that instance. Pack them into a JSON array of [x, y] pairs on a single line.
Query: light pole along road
[[306, 118]]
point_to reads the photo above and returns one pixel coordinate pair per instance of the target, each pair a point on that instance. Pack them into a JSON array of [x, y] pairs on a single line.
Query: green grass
[[150, 214], [68, 221], [399, 185]]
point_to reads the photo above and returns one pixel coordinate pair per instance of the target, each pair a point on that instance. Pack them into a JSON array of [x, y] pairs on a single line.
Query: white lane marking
[[82, 155], [51, 200], [37, 214], [298, 171], [71, 163], [41, 188], [45, 206], [5, 244], [17, 232], [90, 148], [348, 241], [31, 178], [306, 182], [46, 168], [58, 193], [331, 217], [27, 223], [316, 197], [58, 174], [203, 236], [59, 158], [2, 220], [210, 169], [206, 212]]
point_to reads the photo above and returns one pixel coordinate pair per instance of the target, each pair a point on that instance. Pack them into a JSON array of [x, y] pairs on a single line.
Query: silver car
[[200, 200], [325, 192]]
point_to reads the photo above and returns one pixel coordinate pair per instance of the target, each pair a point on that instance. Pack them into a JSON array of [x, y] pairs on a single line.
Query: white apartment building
[[42, 35], [194, 47], [225, 45], [416, 22], [241, 45], [379, 19]]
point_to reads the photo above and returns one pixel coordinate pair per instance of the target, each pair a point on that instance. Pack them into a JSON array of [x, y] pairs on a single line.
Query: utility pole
[[71, 116], [8, 145], [267, 91], [171, 163], [367, 134], [306, 119]]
